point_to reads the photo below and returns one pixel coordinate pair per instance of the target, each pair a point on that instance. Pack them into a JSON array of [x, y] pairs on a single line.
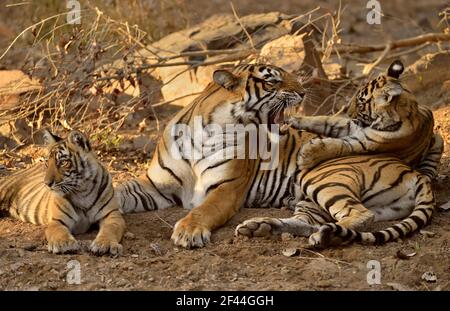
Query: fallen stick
[[430, 37]]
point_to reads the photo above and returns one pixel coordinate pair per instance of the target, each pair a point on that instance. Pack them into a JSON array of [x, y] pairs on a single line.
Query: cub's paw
[[294, 122], [258, 227], [189, 234], [62, 246], [309, 154], [325, 237], [102, 246]]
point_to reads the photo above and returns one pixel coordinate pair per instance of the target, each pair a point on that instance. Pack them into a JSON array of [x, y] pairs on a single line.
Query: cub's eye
[[66, 163]]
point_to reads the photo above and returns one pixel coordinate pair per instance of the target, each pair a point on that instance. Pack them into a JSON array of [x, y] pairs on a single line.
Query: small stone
[[289, 252], [429, 277], [134, 255], [428, 234]]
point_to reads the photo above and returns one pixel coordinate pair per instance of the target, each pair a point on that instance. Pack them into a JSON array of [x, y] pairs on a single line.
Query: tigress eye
[[66, 163]]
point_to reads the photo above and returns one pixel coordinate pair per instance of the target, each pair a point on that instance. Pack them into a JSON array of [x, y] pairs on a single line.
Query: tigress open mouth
[[277, 117]]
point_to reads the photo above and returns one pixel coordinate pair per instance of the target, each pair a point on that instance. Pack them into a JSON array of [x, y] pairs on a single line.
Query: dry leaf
[[401, 255]]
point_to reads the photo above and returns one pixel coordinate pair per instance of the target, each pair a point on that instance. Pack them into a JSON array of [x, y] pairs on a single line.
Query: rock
[[427, 71], [290, 252], [15, 82], [219, 32], [428, 234], [429, 276], [286, 52]]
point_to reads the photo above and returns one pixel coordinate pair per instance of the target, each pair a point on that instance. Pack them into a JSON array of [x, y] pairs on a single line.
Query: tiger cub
[[383, 118], [68, 193]]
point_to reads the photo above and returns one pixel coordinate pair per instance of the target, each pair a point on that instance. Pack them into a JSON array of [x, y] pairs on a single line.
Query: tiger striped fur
[[345, 195], [382, 118], [348, 194], [68, 193], [214, 188]]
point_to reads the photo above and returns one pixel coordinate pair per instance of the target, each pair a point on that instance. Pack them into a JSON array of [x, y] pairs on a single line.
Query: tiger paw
[[309, 154], [325, 237], [62, 246], [189, 234], [102, 246], [258, 227]]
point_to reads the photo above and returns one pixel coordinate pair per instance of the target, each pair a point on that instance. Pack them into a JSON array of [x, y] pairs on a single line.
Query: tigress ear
[[80, 140], [50, 138], [225, 79], [395, 69]]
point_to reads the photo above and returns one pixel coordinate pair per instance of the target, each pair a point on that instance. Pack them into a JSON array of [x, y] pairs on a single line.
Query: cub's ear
[[80, 140], [225, 79], [50, 138], [395, 69]]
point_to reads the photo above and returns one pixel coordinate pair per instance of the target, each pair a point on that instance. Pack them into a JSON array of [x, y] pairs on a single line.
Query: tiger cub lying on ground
[[68, 193], [347, 194], [383, 118]]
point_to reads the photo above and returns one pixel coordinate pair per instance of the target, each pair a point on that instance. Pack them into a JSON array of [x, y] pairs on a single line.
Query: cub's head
[[70, 162], [266, 92], [383, 102]]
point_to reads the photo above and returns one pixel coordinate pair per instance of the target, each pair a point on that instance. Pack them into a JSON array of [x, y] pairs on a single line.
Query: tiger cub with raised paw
[[69, 193], [383, 118]]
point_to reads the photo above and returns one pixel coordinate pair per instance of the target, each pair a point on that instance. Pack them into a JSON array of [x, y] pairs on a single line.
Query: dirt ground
[[151, 262]]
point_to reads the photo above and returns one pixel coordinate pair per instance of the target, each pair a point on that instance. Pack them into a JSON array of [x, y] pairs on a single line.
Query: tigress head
[[378, 104], [70, 162], [266, 92]]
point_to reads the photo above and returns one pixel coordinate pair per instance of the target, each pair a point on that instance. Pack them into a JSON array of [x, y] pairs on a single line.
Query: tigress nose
[[49, 182], [300, 94]]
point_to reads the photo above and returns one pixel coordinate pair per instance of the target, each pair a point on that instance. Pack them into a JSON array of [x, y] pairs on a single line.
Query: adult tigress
[[215, 188]]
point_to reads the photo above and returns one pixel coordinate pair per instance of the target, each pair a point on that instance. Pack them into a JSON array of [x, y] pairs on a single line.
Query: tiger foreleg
[[59, 238], [329, 126], [318, 150], [219, 205], [112, 228], [268, 226], [306, 220]]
